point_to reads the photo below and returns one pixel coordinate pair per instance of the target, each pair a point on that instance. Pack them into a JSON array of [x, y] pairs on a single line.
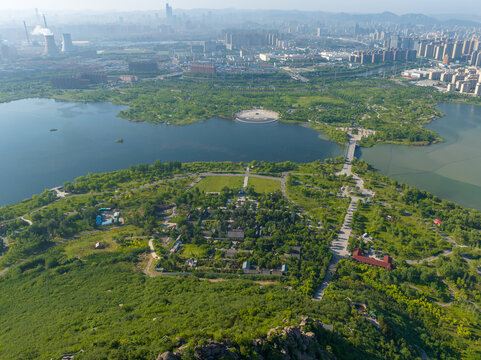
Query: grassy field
[[84, 245], [321, 205], [217, 183], [264, 185], [193, 250]]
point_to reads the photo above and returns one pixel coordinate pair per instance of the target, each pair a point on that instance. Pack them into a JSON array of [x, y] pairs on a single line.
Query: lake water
[[33, 158], [451, 170]]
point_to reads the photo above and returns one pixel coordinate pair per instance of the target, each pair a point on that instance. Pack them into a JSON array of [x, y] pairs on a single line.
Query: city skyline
[[471, 7]]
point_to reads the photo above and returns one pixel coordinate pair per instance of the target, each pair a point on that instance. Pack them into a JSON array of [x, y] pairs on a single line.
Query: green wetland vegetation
[[67, 295]]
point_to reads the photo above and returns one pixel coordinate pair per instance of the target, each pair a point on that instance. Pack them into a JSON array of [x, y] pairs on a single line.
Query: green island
[[392, 110], [226, 259]]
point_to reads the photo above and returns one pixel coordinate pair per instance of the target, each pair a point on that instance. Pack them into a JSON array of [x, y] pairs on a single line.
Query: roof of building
[[386, 263], [235, 234]]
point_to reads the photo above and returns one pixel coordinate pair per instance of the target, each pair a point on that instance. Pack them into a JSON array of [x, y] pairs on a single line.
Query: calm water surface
[[451, 170], [34, 158]]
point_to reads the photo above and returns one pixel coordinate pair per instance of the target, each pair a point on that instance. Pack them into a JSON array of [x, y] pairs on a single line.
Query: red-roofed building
[[386, 263], [437, 222]]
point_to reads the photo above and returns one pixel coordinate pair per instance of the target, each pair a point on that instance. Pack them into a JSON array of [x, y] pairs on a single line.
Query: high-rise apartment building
[[478, 60], [457, 50]]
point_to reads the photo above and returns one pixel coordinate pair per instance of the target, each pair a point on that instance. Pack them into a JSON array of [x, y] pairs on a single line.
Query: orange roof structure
[[386, 263]]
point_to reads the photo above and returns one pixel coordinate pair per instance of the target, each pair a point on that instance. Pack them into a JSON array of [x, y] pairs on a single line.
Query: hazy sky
[[352, 6]]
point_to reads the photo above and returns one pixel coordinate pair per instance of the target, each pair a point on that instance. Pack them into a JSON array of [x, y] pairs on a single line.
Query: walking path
[[29, 222], [153, 257], [339, 246], [4, 240], [444, 253], [152, 250], [246, 177]]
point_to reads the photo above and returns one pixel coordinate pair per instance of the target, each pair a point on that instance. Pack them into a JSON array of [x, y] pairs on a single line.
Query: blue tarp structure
[[99, 220]]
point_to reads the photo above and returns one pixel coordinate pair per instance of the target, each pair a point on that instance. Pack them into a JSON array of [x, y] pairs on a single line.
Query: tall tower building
[[50, 46], [67, 45], [168, 10]]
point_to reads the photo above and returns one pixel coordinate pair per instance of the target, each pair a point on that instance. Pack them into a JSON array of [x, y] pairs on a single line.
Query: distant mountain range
[[266, 16], [389, 17], [385, 17], [238, 17]]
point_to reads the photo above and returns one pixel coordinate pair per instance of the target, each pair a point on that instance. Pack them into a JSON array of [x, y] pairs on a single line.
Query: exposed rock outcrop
[[286, 343], [214, 350], [294, 342], [168, 356]]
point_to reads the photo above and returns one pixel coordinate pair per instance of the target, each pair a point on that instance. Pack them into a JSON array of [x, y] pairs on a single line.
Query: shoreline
[[234, 117]]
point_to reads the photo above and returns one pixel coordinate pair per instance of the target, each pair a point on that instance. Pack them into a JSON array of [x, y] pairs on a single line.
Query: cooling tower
[[67, 43], [50, 46]]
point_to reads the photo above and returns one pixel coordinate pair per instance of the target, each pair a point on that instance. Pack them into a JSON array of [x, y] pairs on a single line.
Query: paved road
[[295, 76]]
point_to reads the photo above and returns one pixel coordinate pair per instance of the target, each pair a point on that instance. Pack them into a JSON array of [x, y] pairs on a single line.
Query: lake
[[450, 170], [35, 158]]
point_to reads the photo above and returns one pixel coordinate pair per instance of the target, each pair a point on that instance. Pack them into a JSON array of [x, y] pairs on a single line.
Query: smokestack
[[50, 46], [45, 21], [67, 45], [26, 32]]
